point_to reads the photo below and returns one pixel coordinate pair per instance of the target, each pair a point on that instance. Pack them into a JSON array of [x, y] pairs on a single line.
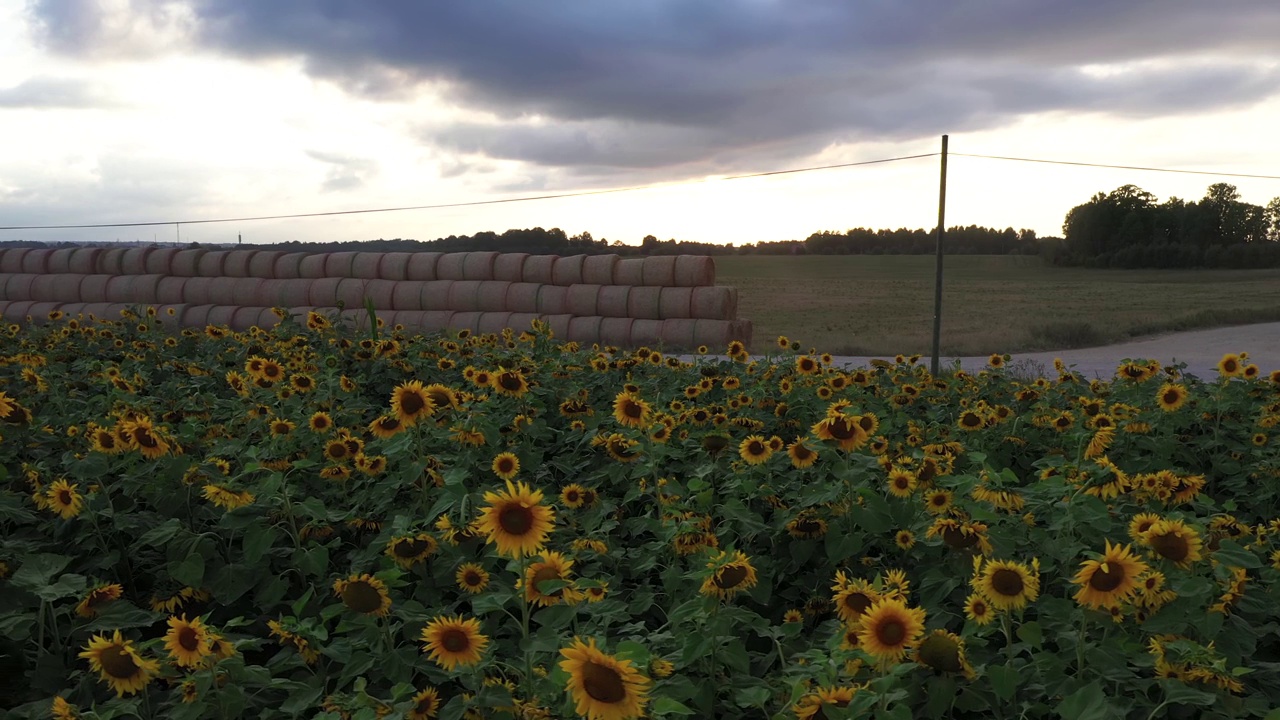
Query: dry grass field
[[883, 305]]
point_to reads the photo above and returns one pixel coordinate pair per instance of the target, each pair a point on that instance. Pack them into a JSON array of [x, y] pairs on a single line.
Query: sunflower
[[98, 597], [810, 706], [515, 520], [938, 501], [1171, 396], [410, 402], [386, 426], [143, 434], [755, 450], [572, 495], [443, 396], [1142, 522], [977, 609], [889, 628], [844, 430], [103, 440], [63, 710], [901, 482], [1006, 584], [118, 664], [630, 411], [971, 420], [187, 641], [472, 578], [853, 599], [452, 641], [506, 465], [409, 550], [801, 455], [320, 422], [806, 526], [425, 704], [731, 577], [603, 687], [1110, 580], [510, 382], [943, 652], [552, 567], [364, 594], [1229, 365], [227, 499], [280, 427], [63, 499], [1174, 540], [904, 539]]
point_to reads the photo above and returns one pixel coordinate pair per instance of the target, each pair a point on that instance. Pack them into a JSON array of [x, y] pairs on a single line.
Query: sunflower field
[[315, 522]]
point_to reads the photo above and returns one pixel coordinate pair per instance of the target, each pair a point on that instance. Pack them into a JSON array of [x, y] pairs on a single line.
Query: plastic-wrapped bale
[[263, 264], [715, 302], [583, 300], [616, 331], [478, 265], [394, 266], [509, 267], [598, 269], [422, 266], [171, 289], [210, 264], [313, 266], [465, 321], [522, 297], [288, 266], [568, 270], [522, 321], [199, 290], [449, 266], [16, 287], [160, 261], [435, 295], [60, 261], [93, 288], [675, 302], [365, 265], [538, 268], [584, 329], [695, 271], [11, 260], [237, 263], [338, 265], [629, 271], [646, 332], [492, 296], [613, 301], [56, 288], [380, 292], [679, 334], [493, 322], [84, 261], [559, 325], [407, 295], [186, 263], [464, 296], [660, 271], [645, 302], [553, 300]]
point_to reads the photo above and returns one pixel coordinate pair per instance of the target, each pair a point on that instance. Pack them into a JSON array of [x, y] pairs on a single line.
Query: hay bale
[[134, 260], [60, 261], [288, 266], [36, 261], [522, 321], [394, 266], [509, 267], [559, 325], [120, 288], [221, 315], [294, 292], [568, 270], [449, 266], [660, 271], [17, 310], [493, 322], [196, 316], [244, 318], [199, 290], [465, 321], [464, 296], [538, 269], [715, 334], [422, 266], [39, 311], [222, 291], [629, 271], [645, 303], [598, 269], [365, 265], [186, 263], [584, 329], [210, 264], [695, 271], [93, 288], [160, 261], [741, 329], [679, 334], [56, 288], [716, 302], [11, 260], [616, 331], [237, 263], [435, 320], [407, 295], [676, 302], [492, 296], [522, 297], [171, 290], [582, 300], [380, 292], [324, 292], [478, 265], [17, 287], [167, 321], [435, 295], [84, 261], [263, 263], [338, 265], [646, 332], [553, 300], [110, 261], [313, 266], [613, 300], [351, 293]]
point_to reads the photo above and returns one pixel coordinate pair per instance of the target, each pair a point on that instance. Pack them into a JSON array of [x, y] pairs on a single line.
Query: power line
[[1120, 167], [464, 204]]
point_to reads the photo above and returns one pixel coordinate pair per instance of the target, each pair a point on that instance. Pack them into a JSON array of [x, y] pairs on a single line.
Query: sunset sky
[[133, 111]]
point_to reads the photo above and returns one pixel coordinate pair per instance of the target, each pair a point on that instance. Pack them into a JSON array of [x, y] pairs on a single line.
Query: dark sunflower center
[[891, 632], [902, 482], [337, 451], [411, 548], [842, 429], [455, 640], [632, 410], [471, 578], [1007, 582], [271, 371], [1172, 547], [1229, 366], [361, 597], [544, 574], [755, 447], [808, 525], [144, 437], [1171, 397], [956, 538], [730, 577], [389, 424], [425, 706], [857, 602], [938, 500], [515, 519], [1107, 577], [572, 496], [970, 420], [802, 453], [189, 639], [509, 381], [505, 465], [603, 683], [941, 653], [411, 403], [117, 663], [64, 497]]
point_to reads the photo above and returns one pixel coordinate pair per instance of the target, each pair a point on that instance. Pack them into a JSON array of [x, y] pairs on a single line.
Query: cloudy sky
[[135, 110]]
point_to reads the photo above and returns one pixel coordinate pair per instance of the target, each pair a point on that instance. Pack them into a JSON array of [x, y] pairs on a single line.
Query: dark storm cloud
[[51, 92], [707, 83]]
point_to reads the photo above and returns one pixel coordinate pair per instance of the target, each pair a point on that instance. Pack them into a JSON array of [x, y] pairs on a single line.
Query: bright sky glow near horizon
[[137, 110]]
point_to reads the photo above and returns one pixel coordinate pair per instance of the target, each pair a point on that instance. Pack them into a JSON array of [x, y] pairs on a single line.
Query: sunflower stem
[[524, 630], [1007, 625], [1080, 645]]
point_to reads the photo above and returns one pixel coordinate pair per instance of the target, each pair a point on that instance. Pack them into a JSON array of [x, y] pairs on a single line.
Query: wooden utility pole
[[937, 285]]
